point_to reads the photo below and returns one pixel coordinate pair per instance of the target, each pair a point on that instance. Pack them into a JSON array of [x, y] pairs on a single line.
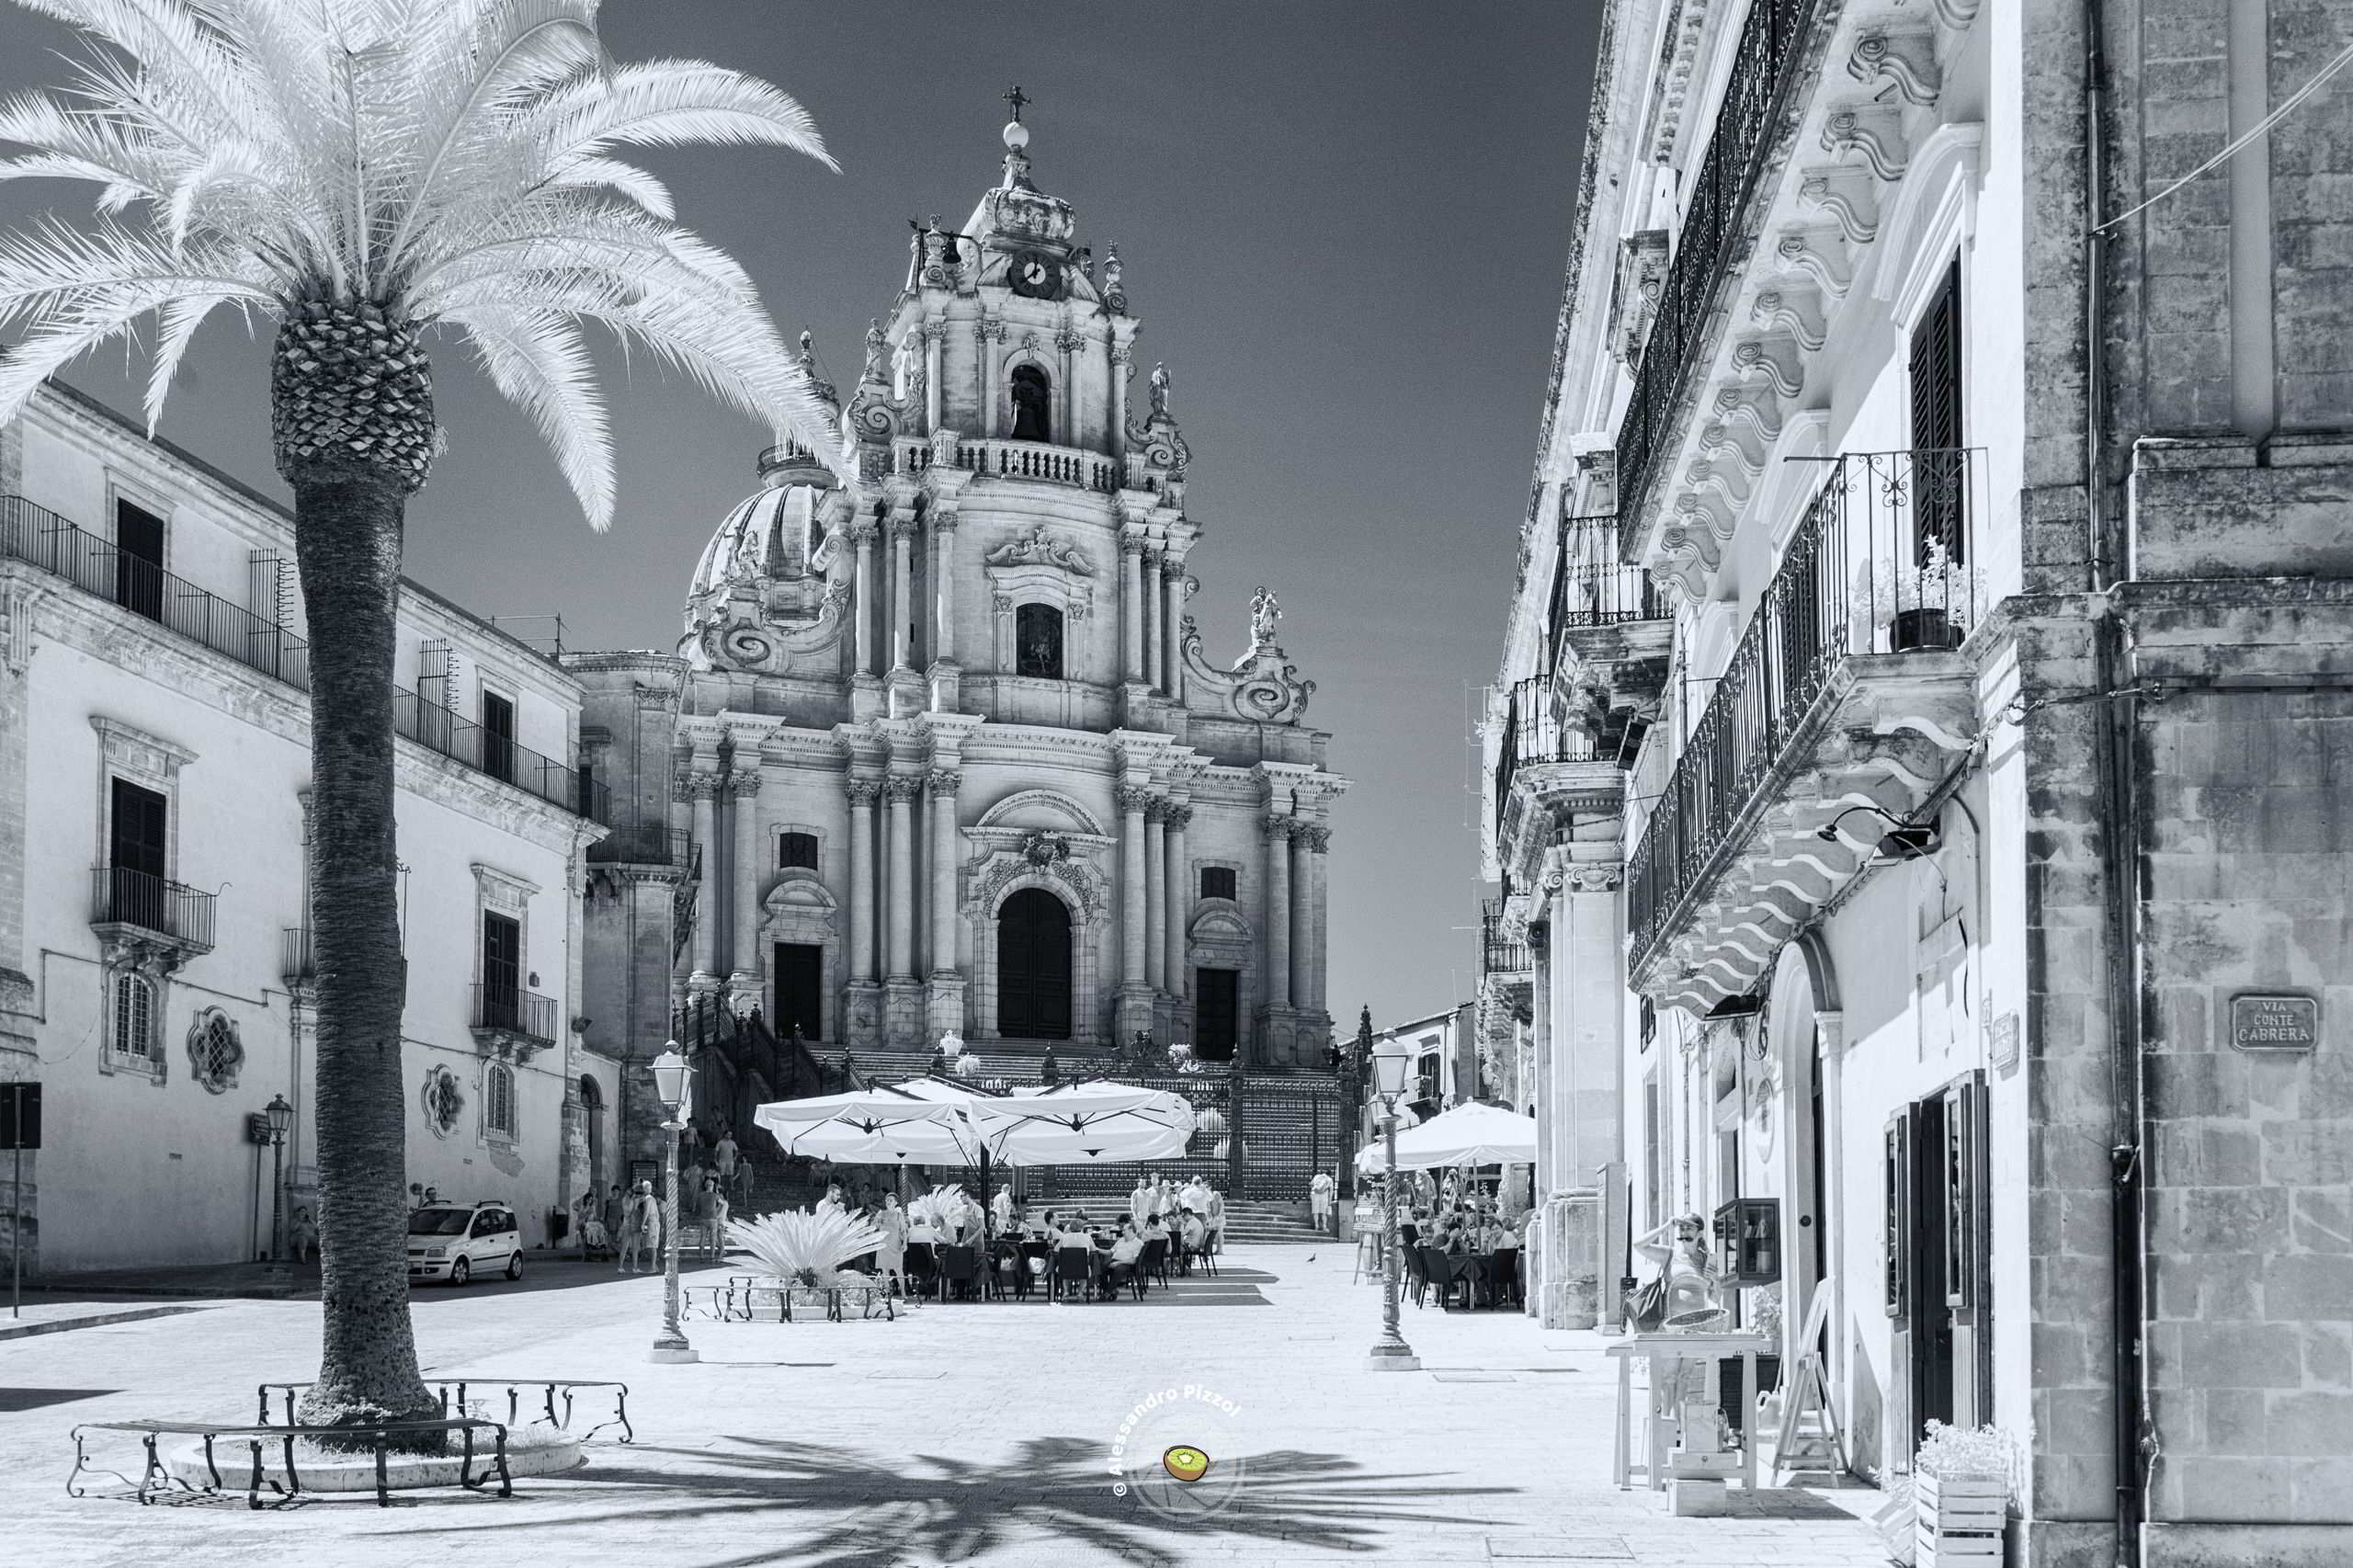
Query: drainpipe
[[2110, 542]]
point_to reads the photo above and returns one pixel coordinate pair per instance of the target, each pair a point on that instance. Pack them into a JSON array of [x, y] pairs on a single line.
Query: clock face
[[1037, 276]]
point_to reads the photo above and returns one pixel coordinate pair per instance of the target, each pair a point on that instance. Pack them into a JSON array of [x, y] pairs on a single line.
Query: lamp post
[[1390, 1353], [672, 1081], [280, 1117]]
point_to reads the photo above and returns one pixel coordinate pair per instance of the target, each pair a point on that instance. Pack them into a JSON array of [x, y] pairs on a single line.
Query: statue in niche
[[1264, 610], [1111, 269], [1159, 391], [1032, 405], [878, 346]]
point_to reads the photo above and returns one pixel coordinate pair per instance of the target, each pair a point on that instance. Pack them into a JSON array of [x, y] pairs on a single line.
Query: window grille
[[215, 1054], [134, 1015], [498, 1101]]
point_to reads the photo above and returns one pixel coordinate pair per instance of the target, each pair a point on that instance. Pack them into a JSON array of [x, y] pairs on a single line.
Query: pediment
[[1040, 809], [799, 889]]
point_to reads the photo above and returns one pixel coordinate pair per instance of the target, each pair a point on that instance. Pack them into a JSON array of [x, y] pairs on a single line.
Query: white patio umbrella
[[872, 1127], [1467, 1135]]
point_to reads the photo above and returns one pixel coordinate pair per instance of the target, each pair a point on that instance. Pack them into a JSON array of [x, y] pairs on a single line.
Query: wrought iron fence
[[508, 1007], [297, 962], [644, 844], [1498, 952], [1764, 68], [1881, 563], [98, 566], [1534, 734], [1591, 586], [119, 896]]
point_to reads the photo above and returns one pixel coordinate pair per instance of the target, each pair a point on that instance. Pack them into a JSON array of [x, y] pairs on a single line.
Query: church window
[[214, 1052], [796, 851], [1033, 404], [1038, 641], [1218, 881]]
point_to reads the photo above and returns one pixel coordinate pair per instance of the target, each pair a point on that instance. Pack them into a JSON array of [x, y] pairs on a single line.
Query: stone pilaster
[[1133, 1010], [1318, 838], [945, 1007], [751, 864], [1152, 611], [863, 1015], [1131, 608], [1155, 895], [701, 789], [1177, 889], [1277, 912]]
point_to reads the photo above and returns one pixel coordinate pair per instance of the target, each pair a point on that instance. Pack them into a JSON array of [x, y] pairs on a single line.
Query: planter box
[[1958, 1520]]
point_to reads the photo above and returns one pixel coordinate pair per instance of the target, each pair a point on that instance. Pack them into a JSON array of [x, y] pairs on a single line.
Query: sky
[[1344, 226]]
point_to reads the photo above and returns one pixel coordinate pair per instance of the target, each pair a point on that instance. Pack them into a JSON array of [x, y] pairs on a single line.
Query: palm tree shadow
[[929, 1507]]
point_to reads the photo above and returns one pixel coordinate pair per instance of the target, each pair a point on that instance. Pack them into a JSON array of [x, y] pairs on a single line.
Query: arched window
[[134, 1015], [1033, 404], [1038, 641], [797, 850], [592, 1117], [1033, 967], [498, 1101]]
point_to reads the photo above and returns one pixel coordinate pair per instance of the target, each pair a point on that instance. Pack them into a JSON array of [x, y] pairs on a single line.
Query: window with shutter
[[1937, 467]]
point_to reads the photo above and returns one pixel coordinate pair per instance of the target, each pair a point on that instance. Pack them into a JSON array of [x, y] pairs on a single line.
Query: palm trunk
[[351, 415]]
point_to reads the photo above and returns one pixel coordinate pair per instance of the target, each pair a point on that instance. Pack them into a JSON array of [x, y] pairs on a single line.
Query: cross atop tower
[[1016, 99]]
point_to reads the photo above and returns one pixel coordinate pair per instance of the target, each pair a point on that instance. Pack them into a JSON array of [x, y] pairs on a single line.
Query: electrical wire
[[2260, 128]]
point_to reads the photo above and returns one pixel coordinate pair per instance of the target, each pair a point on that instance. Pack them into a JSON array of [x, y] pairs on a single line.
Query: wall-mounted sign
[[2274, 1023], [2003, 1038]]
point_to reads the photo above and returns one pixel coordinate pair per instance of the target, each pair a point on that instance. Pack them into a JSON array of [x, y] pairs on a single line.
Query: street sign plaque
[[20, 1116], [2265, 1023]]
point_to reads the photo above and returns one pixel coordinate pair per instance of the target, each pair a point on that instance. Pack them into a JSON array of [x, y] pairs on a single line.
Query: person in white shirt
[[1194, 1231], [1215, 1219], [1140, 1202], [1001, 1205], [1319, 1199]]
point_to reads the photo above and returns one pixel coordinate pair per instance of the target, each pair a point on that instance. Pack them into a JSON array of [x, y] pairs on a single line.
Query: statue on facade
[[1115, 293], [878, 346], [1159, 391], [1264, 610]]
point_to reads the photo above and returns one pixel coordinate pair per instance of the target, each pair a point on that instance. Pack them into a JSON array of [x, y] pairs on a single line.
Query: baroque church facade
[[940, 751]]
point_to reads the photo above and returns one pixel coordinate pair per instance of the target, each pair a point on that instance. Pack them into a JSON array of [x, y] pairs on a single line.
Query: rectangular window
[[139, 560], [498, 1116], [501, 972], [134, 1015], [1217, 1014], [800, 987], [1938, 470], [498, 736], [796, 851], [1217, 881]]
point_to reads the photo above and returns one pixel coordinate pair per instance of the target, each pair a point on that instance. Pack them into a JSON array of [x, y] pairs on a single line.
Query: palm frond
[[537, 361], [805, 1246]]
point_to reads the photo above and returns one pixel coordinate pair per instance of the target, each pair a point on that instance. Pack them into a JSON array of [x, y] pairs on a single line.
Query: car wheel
[[514, 1264], [461, 1271]]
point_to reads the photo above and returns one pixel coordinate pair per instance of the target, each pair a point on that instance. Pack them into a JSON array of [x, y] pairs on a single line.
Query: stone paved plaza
[[958, 1435]]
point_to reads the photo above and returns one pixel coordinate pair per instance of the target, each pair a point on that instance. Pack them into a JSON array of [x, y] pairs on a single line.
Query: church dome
[[769, 535]]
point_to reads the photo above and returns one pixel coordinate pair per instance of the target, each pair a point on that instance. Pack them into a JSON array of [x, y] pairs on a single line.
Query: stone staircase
[[1263, 1224]]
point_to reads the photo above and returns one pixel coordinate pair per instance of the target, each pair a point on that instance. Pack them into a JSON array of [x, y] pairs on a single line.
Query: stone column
[[1132, 607], [1302, 917], [702, 789], [863, 534], [1548, 1136], [1317, 837], [1589, 1001], [992, 340], [750, 862], [935, 337], [903, 531], [1277, 912], [1133, 798], [1152, 613], [1155, 895], [1172, 615], [862, 794], [1123, 359], [1069, 342], [902, 790], [943, 583], [1177, 894], [942, 783]]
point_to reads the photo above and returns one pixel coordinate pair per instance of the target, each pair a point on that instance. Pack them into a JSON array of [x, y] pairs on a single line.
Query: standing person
[[1001, 1209], [1139, 1203], [724, 1157], [833, 1198], [891, 1258], [1319, 1199], [1215, 1220], [614, 1204], [303, 1237], [640, 1227]]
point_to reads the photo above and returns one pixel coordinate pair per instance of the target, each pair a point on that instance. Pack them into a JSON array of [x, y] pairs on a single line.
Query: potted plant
[[803, 1250], [1960, 1493], [1929, 604]]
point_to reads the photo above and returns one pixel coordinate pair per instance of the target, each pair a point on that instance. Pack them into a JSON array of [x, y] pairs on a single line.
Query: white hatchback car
[[445, 1241]]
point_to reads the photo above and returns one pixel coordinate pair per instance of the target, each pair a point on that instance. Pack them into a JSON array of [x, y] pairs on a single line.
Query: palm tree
[[361, 172]]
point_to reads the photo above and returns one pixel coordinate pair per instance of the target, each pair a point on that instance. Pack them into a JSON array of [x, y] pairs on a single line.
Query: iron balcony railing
[[644, 844], [97, 566], [297, 962], [1533, 734], [1714, 223], [1879, 564], [515, 1011], [1498, 953], [122, 897], [1592, 586]]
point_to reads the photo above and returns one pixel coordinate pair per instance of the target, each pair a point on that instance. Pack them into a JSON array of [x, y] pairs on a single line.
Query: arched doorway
[[1033, 967], [1033, 404], [592, 1117]]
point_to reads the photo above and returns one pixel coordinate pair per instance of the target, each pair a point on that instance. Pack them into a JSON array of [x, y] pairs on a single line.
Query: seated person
[[1126, 1249], [1456, 1238], [1193, 1231]]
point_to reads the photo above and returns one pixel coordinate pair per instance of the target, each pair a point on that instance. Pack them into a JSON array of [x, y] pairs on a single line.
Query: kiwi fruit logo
[[1186, 1463]]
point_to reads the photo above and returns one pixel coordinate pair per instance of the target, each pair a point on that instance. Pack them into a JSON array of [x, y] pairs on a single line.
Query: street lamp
[[1392, 1059], [280, 1117], [672, 1081]]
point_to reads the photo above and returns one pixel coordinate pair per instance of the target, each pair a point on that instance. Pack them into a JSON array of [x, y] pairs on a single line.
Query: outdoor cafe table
[[1663, 1350]]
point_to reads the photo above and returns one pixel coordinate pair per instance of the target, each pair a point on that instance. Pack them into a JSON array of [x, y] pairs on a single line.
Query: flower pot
[[1957, 1519], [1922, 629]]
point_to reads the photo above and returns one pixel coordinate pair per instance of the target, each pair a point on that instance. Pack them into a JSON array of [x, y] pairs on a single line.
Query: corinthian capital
[[942, 782], [1180, 818], [1133, 798], [743, 783], [861, 791], [1281, 827], [902, 788], [1316, 837]]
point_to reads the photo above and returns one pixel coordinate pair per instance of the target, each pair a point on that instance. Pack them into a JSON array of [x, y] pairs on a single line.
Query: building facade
[[1916, 767], [155, 971], [940, 751]]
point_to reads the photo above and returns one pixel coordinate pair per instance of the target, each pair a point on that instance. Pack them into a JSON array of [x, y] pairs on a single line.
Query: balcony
[[42, 538], [511, 1022], [1501, 954], [1848, 688], [1608, 635], [297, 961], [999, 459], [642, 843], [1767, 65], [154, 919], [1533, 734]]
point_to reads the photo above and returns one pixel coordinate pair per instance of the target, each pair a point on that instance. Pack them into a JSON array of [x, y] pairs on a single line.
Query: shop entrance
[[1938, 1294]]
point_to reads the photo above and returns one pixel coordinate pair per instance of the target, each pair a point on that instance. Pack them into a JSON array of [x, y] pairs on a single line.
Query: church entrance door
[[1033, 967], [800, 991]]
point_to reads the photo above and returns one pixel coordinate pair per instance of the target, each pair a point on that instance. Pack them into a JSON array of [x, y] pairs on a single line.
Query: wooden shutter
[[1896, 1222], [1938, 481]]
